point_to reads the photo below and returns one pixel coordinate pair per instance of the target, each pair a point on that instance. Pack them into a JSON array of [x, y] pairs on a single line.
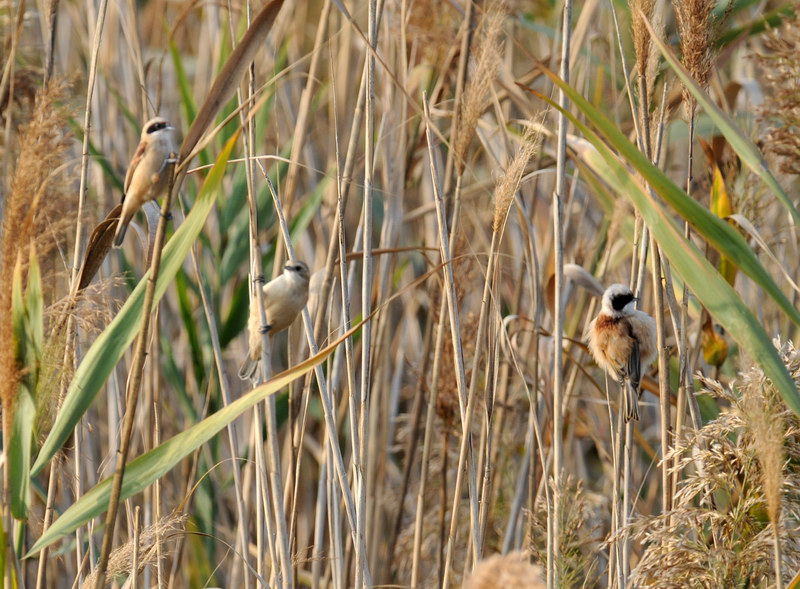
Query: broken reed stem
[[134, 384]]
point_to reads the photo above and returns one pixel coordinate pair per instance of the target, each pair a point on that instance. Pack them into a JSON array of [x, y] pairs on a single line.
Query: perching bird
[[622, 341], [284, 299], [149, 172]]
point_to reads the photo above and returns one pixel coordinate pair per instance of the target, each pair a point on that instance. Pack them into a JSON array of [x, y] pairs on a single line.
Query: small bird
[[284, 299], [150, 171], [622, 341]]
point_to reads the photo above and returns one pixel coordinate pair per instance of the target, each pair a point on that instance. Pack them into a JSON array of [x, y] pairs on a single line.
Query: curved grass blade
[[711, 289], [149, 467], [745, 148], [724, 238], [110, 345]]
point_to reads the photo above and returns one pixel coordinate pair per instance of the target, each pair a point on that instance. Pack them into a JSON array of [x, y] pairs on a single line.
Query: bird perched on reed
[[149, 172], [284, 299], [622, 341]]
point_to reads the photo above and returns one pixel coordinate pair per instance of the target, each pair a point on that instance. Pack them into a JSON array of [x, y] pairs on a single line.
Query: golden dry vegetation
[[434, 418]]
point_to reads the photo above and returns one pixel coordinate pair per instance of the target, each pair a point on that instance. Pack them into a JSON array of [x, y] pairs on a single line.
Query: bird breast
[[610, 343], [151, 176], [283, 300]]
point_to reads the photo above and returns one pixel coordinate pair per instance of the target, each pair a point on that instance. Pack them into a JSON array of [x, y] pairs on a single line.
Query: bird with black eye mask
[[622, 341], [149, 172]]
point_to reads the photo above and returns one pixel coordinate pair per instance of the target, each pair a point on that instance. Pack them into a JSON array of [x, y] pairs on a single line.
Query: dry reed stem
[[557, 211]]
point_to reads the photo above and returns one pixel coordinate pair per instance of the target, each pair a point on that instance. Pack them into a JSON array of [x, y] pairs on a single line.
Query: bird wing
[[634, 368], [135, 161]]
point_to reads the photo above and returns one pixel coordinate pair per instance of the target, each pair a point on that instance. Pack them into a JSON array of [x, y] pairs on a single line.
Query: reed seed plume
[[642, 44], [433, 26], [35, 202], [718, 534], [781, 107], [763, 417], [150, 540], [698, 30], [653, 58], [487, 61], [581, 530], [509, 571], [508, 183]]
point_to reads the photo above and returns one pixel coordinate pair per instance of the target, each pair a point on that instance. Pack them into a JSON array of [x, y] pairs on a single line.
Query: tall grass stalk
[[360, 451], [553, 577], [455, 331], [132, 391], [325, 395]]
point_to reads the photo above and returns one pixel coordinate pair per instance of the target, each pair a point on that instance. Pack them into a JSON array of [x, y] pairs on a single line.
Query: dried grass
[[781, 108], [508, 184], [37, 211], [152, 541], [510, 571], [481, 77], [697, 31], [718, 534], [581, 532]]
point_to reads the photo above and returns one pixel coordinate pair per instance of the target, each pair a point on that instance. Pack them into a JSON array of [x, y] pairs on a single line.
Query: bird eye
[[298, 268], [156, 127]]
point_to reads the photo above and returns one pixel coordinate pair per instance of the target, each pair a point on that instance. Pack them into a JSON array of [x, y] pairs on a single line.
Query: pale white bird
[[284, 298], [622, 341], [149, 172]]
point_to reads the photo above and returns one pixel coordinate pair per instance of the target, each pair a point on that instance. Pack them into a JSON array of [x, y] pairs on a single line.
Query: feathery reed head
[[508, 183], [718, 533], [487, 60], [781, 107], [698, 29], [509, 571], [37, 210]]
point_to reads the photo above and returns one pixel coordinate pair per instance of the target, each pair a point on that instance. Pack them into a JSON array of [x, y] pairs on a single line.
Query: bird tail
[[122, 227], [631, 396], [248, 369]]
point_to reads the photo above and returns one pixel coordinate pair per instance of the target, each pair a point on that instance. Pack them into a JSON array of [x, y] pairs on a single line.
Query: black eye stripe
[[619, 301], [156, 127]]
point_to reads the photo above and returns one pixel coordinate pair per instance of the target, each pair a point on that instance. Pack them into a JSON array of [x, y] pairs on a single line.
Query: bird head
[[618, 299], [297, 270]]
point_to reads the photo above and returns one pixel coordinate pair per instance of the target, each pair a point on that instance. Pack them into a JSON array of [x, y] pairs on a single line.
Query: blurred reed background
[[413, 155]]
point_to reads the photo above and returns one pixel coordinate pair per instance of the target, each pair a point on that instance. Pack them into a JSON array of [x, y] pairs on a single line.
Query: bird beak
[[635, 298]]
